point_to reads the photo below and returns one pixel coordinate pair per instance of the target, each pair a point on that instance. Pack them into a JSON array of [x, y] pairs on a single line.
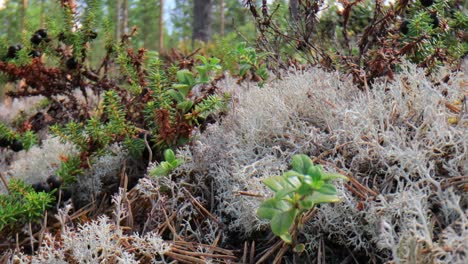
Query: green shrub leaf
[[317, 198], [301, 163], [299, 248], [275, 183], [286, 238], [243, 69], [315, 172], [271, 207], [327, 188], [281, 222], [333, 176], [184, 89], [186, 77], [169, 155]]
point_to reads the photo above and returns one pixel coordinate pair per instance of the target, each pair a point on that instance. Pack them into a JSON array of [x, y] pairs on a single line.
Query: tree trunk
[[124, 18], [23, 14], [117, 20], [201, 20], [293, 9], [221, 5], [161, 25], [42, 23], [145, 27]]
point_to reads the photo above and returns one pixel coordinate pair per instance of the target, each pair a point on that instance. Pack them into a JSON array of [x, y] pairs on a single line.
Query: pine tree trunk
[[221, 5], [42, 23], [161, 25], [124, 18], [293, 9], [23, 14], [145, 27], [117, 20], [201, 20]]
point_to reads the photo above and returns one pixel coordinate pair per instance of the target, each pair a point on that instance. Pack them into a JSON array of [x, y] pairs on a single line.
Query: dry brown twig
[[202, 209]]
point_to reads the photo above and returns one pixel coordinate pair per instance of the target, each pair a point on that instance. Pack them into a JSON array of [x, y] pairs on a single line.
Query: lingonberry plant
[[251, 63], [297, 191], [170, 163]]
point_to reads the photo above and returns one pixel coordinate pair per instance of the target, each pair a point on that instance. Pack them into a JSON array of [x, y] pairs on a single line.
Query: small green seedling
[[296, 192], [166, 166]]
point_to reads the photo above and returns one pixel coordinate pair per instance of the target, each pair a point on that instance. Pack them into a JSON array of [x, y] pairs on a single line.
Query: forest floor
[[403, 145]]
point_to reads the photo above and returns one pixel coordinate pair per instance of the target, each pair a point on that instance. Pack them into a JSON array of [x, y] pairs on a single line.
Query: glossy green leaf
[[175, 163], [294, 181], [169, 155], [284, 192], [286, 238], [158, 171], [333, 176], [291, 173], [269, 208], [301, 163], [281, 222], [185, 77], [202, 59], [215, 62], [275, 183], [304, 189], [266, 212], [176, 95], [243, 69], [307, 180], [263, 73], [306, 204], [241, 47], [203, 78], [166, 166], [202, 69], [327, 188], [299, 248], [317, 198], [315, 172], [316, 185], [184, 89], [185, 106]]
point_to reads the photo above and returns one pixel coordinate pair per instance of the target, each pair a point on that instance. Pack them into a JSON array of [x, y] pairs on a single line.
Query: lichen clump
[[397, 139]]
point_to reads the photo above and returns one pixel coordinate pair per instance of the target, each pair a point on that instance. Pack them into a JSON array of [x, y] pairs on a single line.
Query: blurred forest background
[[174, 24], [162, 24], [307, 32]]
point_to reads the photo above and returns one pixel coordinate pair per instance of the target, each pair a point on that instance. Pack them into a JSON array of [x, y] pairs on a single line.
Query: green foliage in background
[[438, 26], [251, 62], [171, 101]]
